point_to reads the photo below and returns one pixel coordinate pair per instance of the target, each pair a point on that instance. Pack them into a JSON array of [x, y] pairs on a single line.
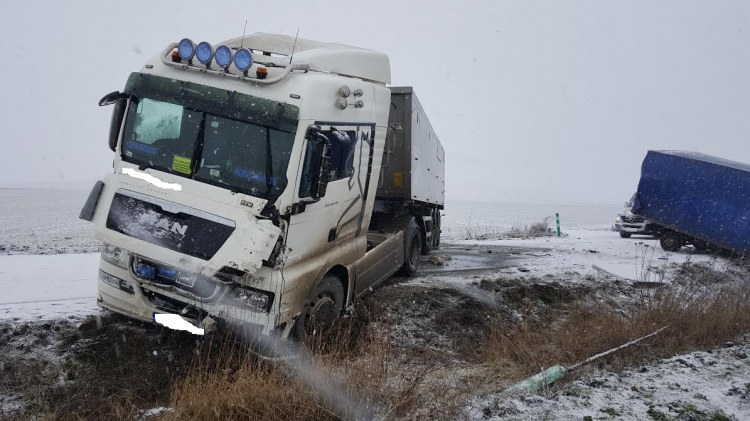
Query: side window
[[343, 143], [309, 167]]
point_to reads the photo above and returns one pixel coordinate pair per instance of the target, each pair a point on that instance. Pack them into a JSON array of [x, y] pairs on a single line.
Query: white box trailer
[[247, 186]]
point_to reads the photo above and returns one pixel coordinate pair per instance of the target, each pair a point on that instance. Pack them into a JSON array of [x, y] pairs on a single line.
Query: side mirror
[[111, 98], [118, 113], [323, 155]]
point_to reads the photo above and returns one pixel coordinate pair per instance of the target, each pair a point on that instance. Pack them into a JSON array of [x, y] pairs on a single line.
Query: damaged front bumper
[[122, 291]]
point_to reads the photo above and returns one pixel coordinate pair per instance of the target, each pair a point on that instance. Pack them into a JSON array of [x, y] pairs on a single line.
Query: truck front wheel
[[671, 241], [323, 309], [412, 249], [624, 234]]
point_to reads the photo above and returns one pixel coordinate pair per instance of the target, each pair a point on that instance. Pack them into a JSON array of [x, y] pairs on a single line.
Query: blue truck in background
[[695, 199]]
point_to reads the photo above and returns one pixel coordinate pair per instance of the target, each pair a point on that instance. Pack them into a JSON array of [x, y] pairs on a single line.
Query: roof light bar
[[223, 57]]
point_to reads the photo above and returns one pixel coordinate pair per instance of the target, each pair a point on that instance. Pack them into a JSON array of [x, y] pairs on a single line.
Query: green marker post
[[557, 216]]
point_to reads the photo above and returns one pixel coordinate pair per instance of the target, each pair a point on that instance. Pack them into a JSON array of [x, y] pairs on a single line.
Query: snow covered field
[[43, 287], [44, 221], [463, 217]]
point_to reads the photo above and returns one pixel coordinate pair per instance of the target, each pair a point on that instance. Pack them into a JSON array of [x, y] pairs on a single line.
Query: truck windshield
[[213, 136]]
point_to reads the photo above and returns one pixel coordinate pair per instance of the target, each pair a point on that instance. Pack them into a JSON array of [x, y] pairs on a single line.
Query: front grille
[[633, 219], [168, 224]]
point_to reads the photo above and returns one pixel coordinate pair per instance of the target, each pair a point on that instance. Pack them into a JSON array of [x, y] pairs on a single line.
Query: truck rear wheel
[[436, 230], [323, 309], [671, 241], [412, 249]]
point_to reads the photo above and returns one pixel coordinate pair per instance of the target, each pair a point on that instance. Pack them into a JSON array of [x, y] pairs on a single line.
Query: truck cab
[[244, 182], [627, 223]]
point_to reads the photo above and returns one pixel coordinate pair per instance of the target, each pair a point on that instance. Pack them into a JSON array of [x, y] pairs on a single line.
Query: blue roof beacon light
[[204, 53], [243, 59], [223, 56], [186, 49]]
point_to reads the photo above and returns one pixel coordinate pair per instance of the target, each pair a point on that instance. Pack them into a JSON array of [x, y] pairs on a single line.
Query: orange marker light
[[176, 56], [261, 72]]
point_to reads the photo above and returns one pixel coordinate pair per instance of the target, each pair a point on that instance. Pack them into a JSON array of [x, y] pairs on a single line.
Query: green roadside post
[[557, 216]]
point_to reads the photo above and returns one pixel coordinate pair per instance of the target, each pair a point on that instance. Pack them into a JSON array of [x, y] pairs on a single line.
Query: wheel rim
[[320, 314]]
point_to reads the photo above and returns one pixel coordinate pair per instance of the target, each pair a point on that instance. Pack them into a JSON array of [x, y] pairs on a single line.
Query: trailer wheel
[[671, 241], [436, 230], [323, 309], [624, 234], [412, 249]]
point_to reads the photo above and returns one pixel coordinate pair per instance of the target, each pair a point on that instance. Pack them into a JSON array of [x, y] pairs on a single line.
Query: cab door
[[353, 179], [334, 218]]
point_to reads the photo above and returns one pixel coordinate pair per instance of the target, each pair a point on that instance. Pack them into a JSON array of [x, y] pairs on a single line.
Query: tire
[[436, 230], [671, 241], [412, 249], [427, 242], [323, 308], [624, 234]]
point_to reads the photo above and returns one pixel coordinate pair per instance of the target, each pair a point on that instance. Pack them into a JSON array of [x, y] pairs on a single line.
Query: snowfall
[[48, 271]]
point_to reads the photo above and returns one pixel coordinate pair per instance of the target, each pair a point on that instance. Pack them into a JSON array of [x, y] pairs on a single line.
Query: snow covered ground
[[39, 287], [596, 251], [712, 385], [462, 218], [44, 221]]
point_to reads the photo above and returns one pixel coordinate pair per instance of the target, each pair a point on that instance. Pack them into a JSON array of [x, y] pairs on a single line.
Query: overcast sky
[[534, 101]]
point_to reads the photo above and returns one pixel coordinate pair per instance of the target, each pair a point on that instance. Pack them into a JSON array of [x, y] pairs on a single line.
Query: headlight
[[116, 282], [115, 255], [618, 219], [258, 300]]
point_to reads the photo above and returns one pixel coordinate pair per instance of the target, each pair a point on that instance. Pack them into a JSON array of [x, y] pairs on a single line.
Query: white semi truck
[[266, 181]]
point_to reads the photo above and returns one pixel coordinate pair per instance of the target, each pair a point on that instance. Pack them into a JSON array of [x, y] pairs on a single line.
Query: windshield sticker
[[253, 176], [142, 147], [213, 172], [181, 164], [398, 179]]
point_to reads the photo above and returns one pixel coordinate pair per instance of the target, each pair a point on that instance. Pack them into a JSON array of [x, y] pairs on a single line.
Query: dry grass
[[537, 229], [486, 231], [490, 231], [347, 375], [702, 312]]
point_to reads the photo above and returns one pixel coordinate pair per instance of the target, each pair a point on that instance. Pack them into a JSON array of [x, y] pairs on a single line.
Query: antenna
[[294, 46], [242, 41]]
